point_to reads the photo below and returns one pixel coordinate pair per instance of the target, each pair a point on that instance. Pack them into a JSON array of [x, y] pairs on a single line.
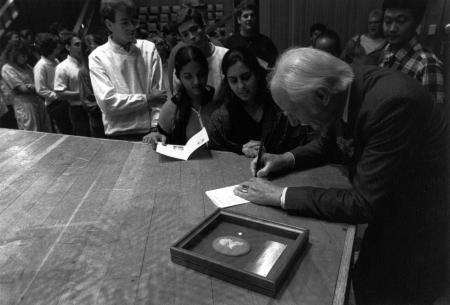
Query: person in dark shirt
[[394, 141], [89, 43], [248, 115], [249, 38]]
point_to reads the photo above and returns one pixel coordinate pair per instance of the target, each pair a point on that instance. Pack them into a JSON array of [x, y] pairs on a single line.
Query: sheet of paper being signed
[[183, 152], [225, 197]]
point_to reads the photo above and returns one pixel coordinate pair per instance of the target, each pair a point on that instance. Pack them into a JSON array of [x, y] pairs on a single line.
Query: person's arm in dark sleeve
[[317, 152], [390, 135], [272, 51], [219, 132]]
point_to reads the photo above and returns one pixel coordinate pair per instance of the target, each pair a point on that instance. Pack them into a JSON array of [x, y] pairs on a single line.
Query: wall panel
[[287, 22]]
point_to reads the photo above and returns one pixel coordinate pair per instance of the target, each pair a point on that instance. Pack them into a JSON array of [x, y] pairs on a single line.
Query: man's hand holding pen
[[271, 164], [259, 190]]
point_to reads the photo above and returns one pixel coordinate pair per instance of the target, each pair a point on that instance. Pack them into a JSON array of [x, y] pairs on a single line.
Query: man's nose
[[392, 27]]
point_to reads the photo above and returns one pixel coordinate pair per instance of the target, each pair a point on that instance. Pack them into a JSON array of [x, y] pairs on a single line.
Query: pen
[[258, 158]]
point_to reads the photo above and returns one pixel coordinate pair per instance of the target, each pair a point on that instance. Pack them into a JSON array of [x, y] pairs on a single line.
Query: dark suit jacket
[[395, 146]]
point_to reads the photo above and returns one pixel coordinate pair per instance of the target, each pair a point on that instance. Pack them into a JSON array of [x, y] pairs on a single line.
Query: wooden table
[[90, 221]]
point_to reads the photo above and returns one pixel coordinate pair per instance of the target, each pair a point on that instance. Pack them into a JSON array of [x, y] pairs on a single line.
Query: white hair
[[300, 71]]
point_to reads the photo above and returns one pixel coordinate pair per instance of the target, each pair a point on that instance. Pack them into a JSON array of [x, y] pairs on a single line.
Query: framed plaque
[[250, 252]]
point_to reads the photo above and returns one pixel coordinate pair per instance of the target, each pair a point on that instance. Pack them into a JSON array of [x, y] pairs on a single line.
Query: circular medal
[[231, 245]]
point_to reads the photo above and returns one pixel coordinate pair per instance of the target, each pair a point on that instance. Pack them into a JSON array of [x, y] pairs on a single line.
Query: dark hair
[[187, 14], [108, 8], [67, 36], [245, 6], [332, 35], [184, 56], [9, 34], [13, 50], [417, 7], [249, 59], [85, 46], [317, 27], [46, 43], [56, 27], [189, 54]]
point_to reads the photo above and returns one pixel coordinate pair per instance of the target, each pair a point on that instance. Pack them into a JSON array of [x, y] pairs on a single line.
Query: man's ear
[[323, 96], [67, 46], [108, 24]]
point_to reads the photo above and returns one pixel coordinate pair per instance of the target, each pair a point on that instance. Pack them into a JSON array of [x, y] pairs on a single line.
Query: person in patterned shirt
[[404, 51]]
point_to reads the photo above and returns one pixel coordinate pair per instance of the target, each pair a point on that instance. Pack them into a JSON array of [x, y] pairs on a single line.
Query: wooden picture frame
[[190, 251]]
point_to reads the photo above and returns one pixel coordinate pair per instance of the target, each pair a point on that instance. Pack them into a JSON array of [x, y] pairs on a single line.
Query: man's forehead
[[247, 12], [75, 39], [397, 12], [124, 13], [186, 25]]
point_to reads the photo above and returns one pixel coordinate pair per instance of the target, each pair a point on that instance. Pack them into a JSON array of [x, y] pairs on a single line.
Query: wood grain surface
[[91, 221]]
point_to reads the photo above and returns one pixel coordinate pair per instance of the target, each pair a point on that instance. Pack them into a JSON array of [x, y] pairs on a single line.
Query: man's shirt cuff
[[283, 198]]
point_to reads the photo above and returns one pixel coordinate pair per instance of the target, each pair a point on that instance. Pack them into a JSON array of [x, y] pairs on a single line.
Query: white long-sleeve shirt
[[66, 78], [121, 81], [44, 76]]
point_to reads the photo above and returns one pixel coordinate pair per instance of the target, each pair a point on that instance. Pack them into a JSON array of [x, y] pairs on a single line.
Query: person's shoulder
[[263, 37], [426, 57], [384, 88], [39, 64], [233, 38], [64, 63], [169, 105], [144, 44], [374, 76], [166, 115], [100, 51], [220, 51]]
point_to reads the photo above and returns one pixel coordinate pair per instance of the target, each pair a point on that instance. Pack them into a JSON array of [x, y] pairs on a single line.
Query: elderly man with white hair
[[383, 127]]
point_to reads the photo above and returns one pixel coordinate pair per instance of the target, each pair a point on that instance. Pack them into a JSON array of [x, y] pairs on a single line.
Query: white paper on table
[[184, 151], [224, 197]]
